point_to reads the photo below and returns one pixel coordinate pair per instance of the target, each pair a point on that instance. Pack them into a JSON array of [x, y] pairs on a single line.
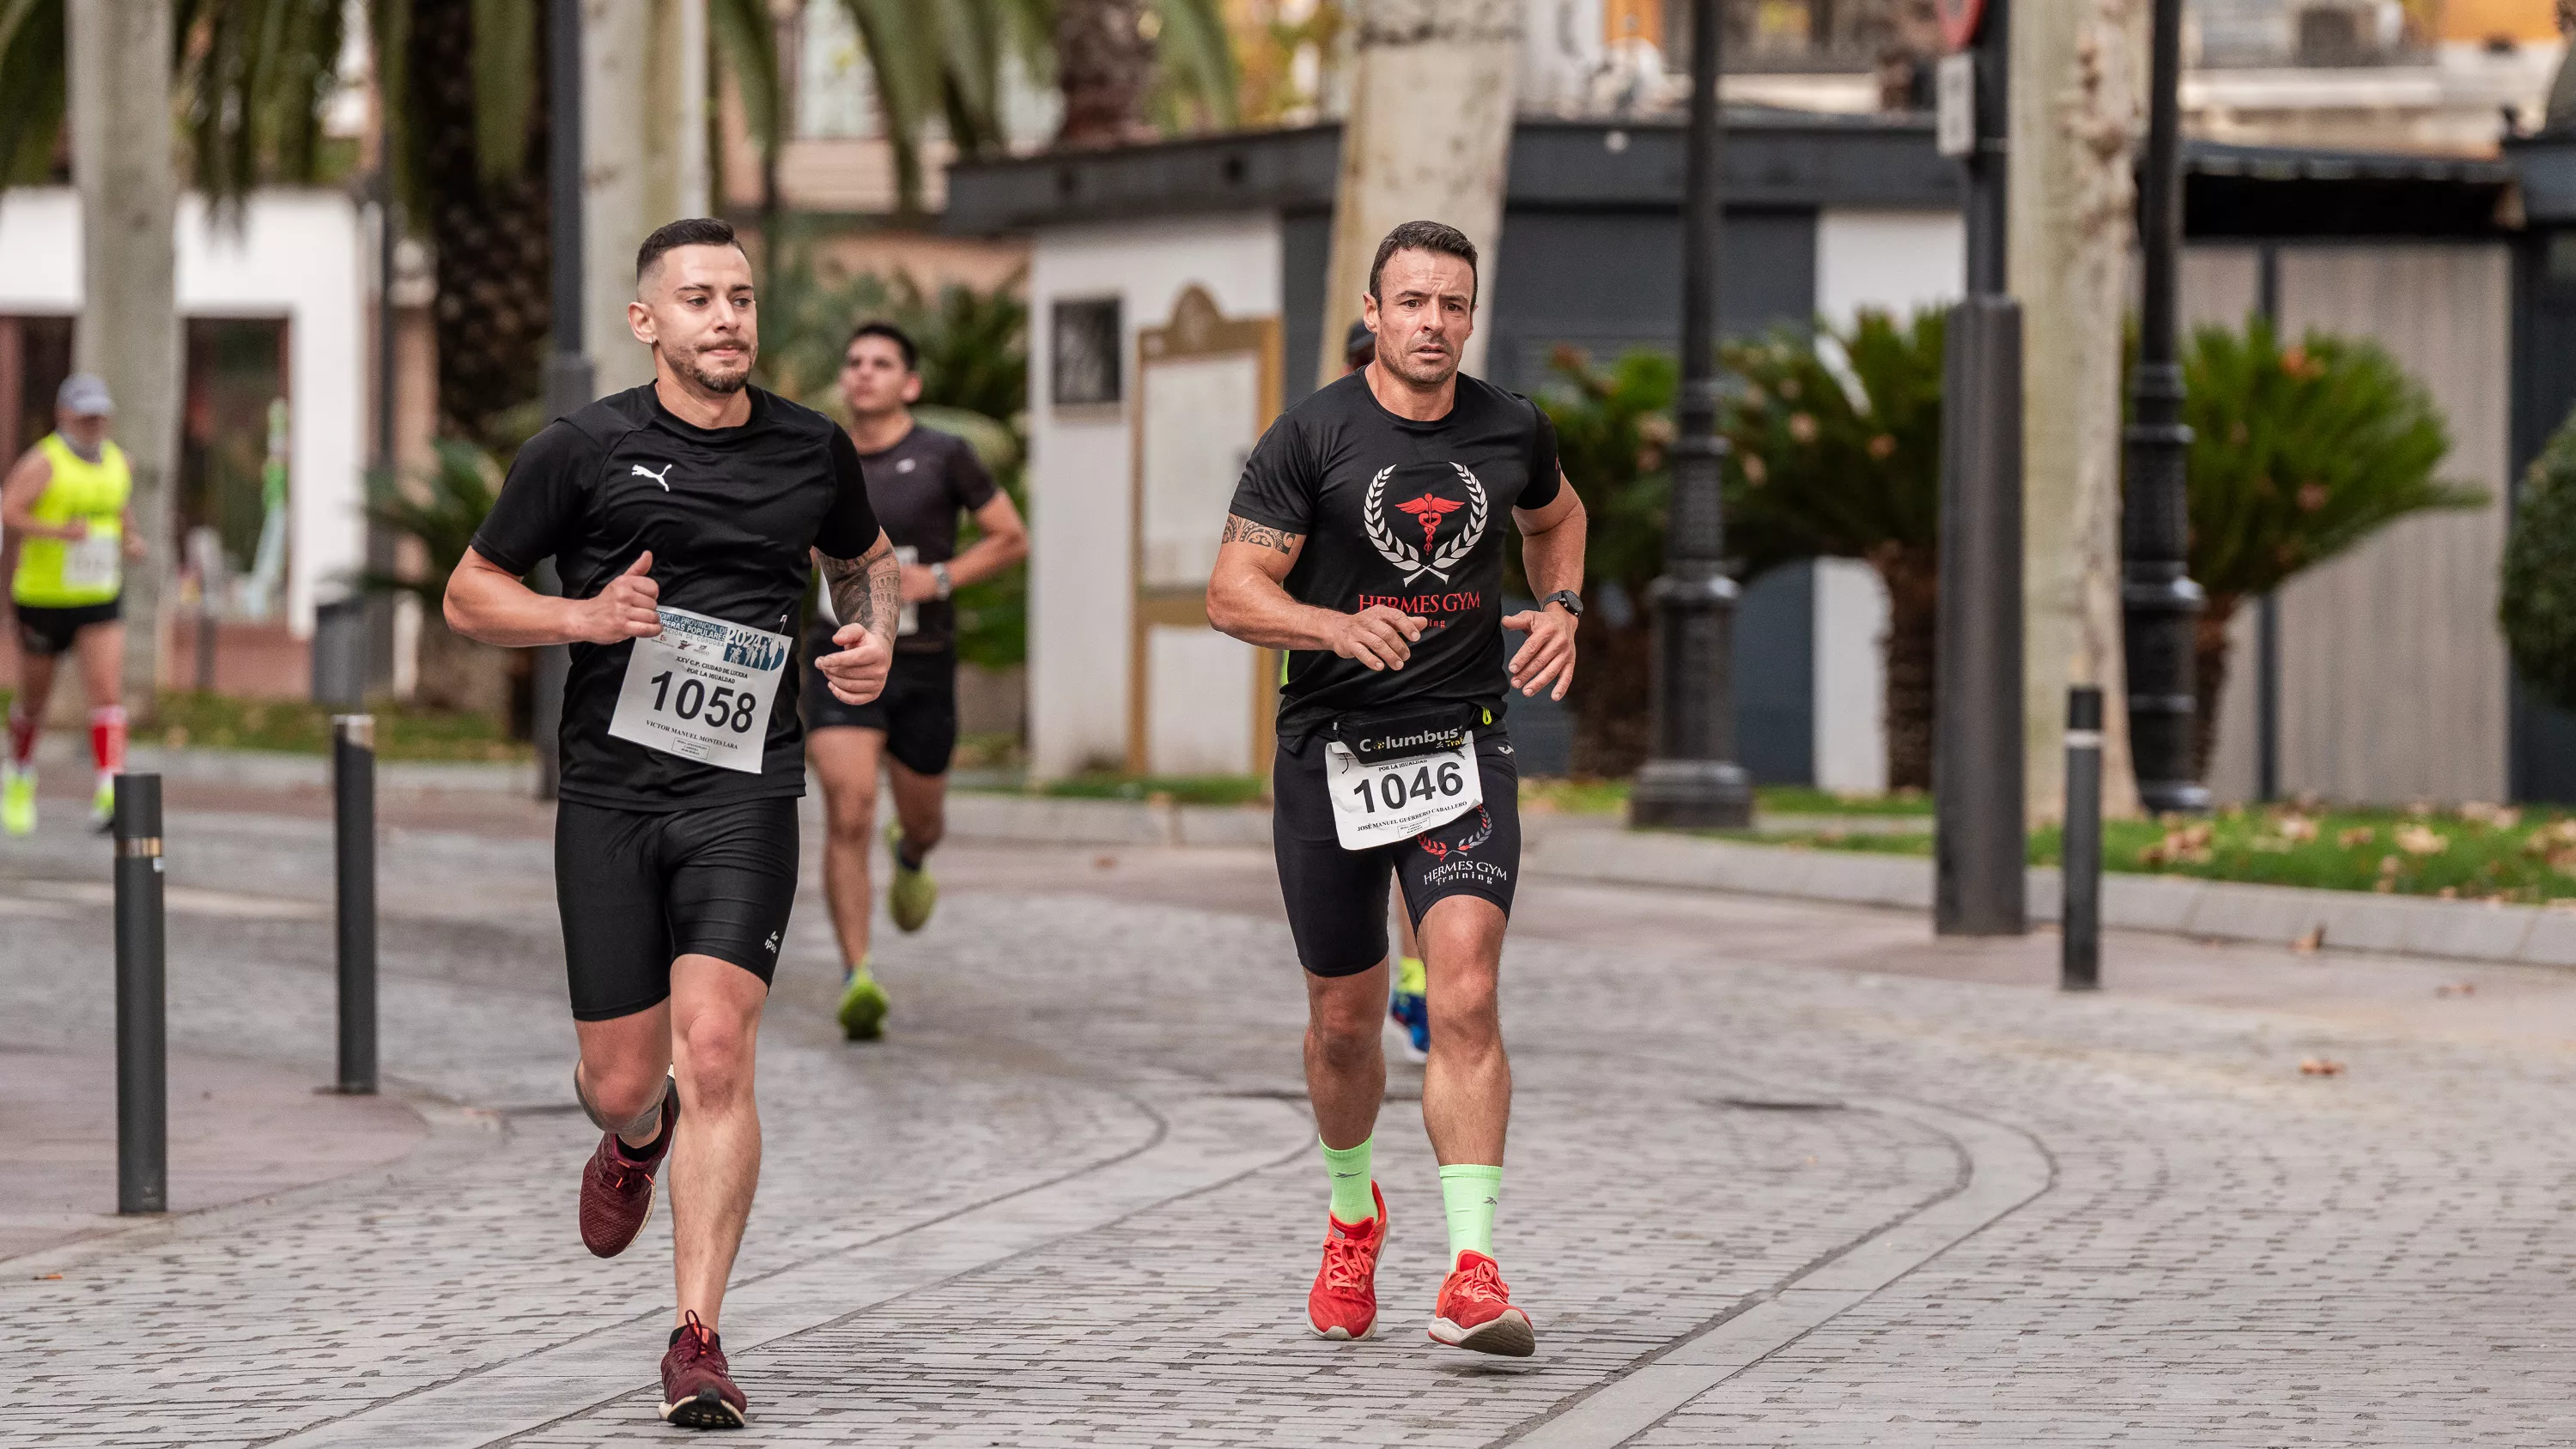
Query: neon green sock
[[1471, 1194], [1352, 1201], [1410, 977]]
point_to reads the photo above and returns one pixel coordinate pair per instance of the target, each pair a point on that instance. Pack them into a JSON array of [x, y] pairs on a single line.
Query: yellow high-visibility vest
[[56, 573]]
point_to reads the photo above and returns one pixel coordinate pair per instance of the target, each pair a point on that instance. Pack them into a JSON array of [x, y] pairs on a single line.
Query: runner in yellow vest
[[65, 508]]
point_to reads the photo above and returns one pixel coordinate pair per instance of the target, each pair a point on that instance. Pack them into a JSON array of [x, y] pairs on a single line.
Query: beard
[[720, 384], [1418, 371]]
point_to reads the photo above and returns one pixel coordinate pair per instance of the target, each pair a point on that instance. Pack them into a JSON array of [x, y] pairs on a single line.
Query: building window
[[1084, 352]]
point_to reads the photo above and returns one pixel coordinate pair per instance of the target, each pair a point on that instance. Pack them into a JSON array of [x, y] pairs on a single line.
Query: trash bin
[[340, 653]]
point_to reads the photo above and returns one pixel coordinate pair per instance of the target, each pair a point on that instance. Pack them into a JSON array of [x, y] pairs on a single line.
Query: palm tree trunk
[[490, 234], [1428, 135], [1613, 709], [128, 331], [1913, 582], [1104, 66], [2209, 677]]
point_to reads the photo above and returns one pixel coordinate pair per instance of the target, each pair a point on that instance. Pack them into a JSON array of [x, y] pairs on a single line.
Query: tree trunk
[[128, 330], [2077, 76], [2209, 678], [644, 161], [490, 236], [1104, 66], [1913, 582], [1613, 708], [1427, 137]]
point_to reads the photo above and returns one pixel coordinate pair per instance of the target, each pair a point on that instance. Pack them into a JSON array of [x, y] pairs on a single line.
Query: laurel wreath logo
[[1440, 849], [1404, 555]]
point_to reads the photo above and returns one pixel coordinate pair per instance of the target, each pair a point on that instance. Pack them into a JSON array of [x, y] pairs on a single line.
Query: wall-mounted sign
[[1084, 348], [1959, 19], [1954, 114]]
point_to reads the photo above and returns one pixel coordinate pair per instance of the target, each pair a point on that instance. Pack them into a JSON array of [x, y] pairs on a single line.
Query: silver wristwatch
[[941, 582]]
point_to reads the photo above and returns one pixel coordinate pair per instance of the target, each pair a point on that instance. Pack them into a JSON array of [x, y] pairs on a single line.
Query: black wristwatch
[[1572, 601]]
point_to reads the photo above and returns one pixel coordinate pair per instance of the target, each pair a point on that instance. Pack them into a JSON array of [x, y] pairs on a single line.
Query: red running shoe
[[1475, 1310], [1343, 1304], [617, 1190], [697, 1392]]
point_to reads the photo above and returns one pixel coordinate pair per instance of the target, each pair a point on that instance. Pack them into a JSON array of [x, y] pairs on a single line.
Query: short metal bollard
[[353, 802], [142, 1038], [2080, 855]]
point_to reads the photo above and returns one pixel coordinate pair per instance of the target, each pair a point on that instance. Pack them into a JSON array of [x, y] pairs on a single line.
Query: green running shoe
[[102, 802], [914, 895], [17, 800], [863, 1006]]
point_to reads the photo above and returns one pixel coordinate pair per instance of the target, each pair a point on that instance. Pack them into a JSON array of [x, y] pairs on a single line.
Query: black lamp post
[[2160, 604], [570, 384], [1692, 781], [1977, 782]]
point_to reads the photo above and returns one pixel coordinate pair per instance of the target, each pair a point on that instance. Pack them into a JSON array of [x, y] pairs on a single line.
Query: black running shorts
[[917, 713], [50, 631], [639, 889], [1337, 898]]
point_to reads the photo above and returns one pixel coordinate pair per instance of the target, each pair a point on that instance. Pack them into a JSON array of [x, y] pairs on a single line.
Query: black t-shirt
[[918, 487], [729, 513], [1406, 514]]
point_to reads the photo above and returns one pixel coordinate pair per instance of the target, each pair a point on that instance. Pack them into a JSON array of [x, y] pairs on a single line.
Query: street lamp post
[[2160, 604], [1692, 781], [570, 383], [1977, 781]]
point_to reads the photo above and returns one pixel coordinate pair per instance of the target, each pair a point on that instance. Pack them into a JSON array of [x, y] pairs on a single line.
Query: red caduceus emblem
[[1430, 509]]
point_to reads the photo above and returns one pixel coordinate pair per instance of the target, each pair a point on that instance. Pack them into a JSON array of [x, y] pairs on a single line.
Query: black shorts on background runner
[[1337, 898], [51, 631], [917, 712], [655, 885]]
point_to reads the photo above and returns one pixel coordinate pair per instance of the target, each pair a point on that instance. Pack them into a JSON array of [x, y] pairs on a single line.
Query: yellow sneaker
[[17, 800], [863, 1006], [102, 802], [914, 895]]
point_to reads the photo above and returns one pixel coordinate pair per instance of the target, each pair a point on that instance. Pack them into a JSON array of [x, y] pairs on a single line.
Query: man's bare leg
[[920, 805], [715, 1163], [1467, 1085], [1345, 1054], [845, 761]]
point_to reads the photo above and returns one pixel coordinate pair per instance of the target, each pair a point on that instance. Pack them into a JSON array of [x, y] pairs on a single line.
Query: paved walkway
[[1780, 1174]]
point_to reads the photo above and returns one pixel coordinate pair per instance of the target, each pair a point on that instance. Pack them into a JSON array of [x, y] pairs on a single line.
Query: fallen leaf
[[47, 1277], [2458, 988], [2447, 893], [2315, 939], [2421, 840], [1103, 862], [2357, 835], [2297, 828], [2321, 1067]]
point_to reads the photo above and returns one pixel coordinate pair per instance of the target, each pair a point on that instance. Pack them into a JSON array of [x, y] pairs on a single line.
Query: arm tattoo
[[1239, 529], [867, 589]]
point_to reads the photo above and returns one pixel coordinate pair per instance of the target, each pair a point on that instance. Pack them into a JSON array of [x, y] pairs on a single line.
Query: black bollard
[[353, 802], [2080, 853], [142, 1048]]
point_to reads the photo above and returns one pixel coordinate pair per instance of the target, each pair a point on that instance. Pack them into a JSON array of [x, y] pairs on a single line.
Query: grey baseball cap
[[1358, 340], [84, 395]]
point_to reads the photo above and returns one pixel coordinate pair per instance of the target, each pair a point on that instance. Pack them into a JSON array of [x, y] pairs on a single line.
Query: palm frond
[[747, 40], [1194, 55], [506, 60], [34, 63], [254, 77]]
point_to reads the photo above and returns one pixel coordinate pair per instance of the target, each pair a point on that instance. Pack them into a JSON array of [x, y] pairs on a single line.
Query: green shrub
[[2538, 609]]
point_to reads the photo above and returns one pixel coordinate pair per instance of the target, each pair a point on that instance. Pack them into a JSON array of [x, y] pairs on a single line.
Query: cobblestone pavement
[[1074, 1200]]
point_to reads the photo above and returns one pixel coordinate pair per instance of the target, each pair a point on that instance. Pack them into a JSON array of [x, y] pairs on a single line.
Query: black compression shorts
[[50, 631], [1337, 898], [639, 889], [917, 713]]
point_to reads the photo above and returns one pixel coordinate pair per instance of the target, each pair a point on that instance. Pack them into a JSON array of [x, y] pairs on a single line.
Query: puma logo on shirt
[[640, 471]]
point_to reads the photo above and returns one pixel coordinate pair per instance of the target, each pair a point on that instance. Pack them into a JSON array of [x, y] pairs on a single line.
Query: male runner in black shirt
[[681, 515], [1363, 540], [919, 480]]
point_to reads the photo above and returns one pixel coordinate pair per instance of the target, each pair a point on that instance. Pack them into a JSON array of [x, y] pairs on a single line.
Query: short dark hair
[[689, 231], [1423, 236], [902, 340]]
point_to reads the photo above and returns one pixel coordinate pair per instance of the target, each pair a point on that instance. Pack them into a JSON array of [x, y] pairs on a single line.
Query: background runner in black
[[729, 515], [1406, 514]]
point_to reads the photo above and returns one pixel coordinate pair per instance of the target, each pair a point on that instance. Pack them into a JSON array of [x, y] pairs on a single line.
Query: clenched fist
[[857, 674], [629, 608]]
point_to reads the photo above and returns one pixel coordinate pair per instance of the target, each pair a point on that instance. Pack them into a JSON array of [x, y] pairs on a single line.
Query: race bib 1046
[[702, 690], [1381, 804]]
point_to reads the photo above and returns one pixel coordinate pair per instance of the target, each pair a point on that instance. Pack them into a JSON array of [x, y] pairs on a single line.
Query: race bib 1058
[[702, 690]]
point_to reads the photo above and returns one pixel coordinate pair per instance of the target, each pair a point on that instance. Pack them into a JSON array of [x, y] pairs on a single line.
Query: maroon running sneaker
[[697, 1392], [617, 1190]]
